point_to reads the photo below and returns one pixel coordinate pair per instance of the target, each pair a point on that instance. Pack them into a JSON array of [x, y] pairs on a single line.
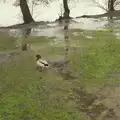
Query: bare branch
[[116, 2], [99, 5]]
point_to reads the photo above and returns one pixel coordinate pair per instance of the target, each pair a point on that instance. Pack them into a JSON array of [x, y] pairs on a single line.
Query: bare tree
[[27, 17], [111, 5], [66, 9]]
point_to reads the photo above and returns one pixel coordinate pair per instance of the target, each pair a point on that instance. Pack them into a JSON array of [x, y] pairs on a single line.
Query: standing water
[[83, 78], [48, 13]]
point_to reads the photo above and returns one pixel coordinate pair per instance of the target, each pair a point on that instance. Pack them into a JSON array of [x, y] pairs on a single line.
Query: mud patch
[[60, 67], [95, 106]]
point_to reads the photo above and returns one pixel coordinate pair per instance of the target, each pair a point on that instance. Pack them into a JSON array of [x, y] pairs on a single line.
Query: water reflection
[[26, 33], [55, 30]]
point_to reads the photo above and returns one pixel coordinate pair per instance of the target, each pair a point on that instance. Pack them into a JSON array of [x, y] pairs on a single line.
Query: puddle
[[89, 36], [89, 24], [56, 30], [78, 33], [117, 34]]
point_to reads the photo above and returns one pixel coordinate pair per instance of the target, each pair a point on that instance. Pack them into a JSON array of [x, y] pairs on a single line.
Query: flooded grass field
[[82, 82]]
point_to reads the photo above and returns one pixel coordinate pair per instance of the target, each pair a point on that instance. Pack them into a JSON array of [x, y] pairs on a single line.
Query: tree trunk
[[26, 12], [66, 9], [111, 5]]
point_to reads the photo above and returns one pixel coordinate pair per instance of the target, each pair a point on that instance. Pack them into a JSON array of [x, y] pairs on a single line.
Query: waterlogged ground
[[85, 88]]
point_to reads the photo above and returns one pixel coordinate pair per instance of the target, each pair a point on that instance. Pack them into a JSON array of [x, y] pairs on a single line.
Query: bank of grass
[[98, 59], [28, 94]]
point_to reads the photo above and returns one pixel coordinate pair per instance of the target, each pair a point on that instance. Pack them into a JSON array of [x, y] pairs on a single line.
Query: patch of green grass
[[100, 38], [34, 40], [27, 93], [94, 64], [7, 44]]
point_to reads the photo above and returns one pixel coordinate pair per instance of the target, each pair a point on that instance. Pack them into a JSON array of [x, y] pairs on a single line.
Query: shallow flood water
[[56, 30], [80, 67], [49, 13], [82, 81]]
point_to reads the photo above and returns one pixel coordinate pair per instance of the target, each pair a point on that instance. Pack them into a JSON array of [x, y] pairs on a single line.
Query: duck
[[41, 63]]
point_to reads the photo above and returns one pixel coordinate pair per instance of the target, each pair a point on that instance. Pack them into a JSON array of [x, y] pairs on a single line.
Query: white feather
[[41, 63]]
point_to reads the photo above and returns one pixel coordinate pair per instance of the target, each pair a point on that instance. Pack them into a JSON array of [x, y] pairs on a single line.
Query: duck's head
[[38, 56]]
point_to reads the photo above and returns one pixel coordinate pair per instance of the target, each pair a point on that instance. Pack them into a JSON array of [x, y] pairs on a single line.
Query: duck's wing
[[40, 64], [43, 61]]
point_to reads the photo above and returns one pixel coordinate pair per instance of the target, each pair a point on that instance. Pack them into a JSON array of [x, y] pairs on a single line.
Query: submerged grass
[[28, 94]]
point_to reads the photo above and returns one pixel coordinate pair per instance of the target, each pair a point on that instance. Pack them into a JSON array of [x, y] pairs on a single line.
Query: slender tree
[[66, 9], [111, 5], [27, 17]]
